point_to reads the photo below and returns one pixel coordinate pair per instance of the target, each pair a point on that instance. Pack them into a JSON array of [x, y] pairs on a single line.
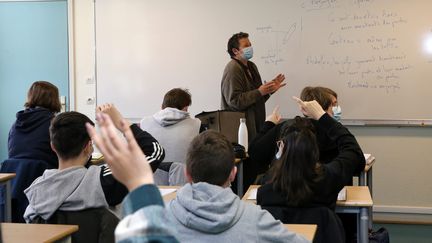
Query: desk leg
[[369, 184], [8, 201], [240, 179], [362, 179], [363, 221]]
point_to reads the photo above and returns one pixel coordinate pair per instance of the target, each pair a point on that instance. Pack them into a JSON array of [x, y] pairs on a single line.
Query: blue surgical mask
[[337, 112], [247, 53]]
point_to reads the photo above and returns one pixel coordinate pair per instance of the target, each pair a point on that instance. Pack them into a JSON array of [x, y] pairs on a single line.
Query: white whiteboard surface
[[373, 53]]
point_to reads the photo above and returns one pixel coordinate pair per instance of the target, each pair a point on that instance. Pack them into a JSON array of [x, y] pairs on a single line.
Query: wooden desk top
[[6, 176], [13, 232], [357, 196], [170, 196], [306, 230]]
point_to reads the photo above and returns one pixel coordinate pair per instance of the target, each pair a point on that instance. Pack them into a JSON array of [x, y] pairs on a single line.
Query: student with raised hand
[[298, 180], [145, 216], [206, 210]]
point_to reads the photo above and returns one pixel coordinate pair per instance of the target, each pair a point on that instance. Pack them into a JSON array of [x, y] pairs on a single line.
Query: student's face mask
[[280, 145], [247, 53], [337, 112]]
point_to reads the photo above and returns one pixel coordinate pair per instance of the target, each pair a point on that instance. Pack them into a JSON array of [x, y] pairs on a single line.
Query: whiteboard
[[376, 54]]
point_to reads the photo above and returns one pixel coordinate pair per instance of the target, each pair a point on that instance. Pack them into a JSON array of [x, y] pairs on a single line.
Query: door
[[33, 46]]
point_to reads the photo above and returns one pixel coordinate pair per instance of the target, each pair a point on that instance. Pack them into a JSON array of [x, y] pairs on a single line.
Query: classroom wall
[[401, 173]]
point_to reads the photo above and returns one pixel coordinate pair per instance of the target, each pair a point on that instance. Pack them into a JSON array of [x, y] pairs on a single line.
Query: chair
[[26, 171], [95, 224]]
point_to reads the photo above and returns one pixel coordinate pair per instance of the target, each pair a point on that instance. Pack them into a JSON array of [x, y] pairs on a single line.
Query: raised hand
[[310, 108], [275, 116], [114, 114]]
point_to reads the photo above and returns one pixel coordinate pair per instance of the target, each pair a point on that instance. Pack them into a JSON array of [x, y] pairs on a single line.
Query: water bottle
[[243, 134]]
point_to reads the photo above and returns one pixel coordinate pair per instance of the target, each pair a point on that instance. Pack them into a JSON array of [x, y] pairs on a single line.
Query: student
[[206, 210], [143, 209], [70, 139], [72, 187], [29, 136], [298, 180], [172, 126], [29, 151], [262, 149], [174, 129]]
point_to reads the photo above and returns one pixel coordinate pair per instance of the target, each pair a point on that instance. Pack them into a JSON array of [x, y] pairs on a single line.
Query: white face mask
[[337, 112], [280, 150]]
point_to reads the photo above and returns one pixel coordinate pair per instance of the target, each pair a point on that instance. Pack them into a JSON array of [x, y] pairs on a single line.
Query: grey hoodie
[[202, 212], [71, 189], [174, 129]]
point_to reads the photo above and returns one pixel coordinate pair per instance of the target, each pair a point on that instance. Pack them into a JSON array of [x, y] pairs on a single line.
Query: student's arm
[[262, 148], [144, 217], [114, 191], [272, 230], [350, 157], [149, 145]]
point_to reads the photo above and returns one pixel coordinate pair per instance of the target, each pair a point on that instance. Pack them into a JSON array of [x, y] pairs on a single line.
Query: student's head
[[177, 98], [43, 94], [326, 97], [296, 171], [69, 137], [236, 45], [210, 158]]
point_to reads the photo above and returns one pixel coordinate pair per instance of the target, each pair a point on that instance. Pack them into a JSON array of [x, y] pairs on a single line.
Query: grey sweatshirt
[[174, 129], [202, 212], [71, 189]]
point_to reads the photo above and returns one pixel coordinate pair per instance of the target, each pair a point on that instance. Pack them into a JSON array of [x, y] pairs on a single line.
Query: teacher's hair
[[233, 42]]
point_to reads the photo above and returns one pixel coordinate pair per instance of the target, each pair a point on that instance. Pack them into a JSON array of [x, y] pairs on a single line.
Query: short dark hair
[[69, 134], [177, 98], [296, 172], [43, 94], [234, 42], [210, 158], [321, 94]]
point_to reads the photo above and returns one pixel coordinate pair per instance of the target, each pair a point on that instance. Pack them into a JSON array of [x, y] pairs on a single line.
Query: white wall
[[84, 55], [404, 155]]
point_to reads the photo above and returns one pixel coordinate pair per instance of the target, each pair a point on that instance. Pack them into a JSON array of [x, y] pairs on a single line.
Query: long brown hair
[[296, 172], [43, 94]]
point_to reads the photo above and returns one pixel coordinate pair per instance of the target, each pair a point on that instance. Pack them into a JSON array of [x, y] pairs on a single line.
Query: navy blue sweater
[[29, 136]]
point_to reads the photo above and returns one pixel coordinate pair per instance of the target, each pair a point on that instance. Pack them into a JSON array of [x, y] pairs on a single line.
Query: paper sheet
[[166, 191]]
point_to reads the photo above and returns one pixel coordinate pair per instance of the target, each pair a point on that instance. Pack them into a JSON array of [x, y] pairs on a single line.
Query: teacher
[[242, 88]]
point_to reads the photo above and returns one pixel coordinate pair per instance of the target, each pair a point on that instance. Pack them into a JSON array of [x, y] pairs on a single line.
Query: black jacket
[[115, 191], [262, 148], [29, 137], [336, 174]]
